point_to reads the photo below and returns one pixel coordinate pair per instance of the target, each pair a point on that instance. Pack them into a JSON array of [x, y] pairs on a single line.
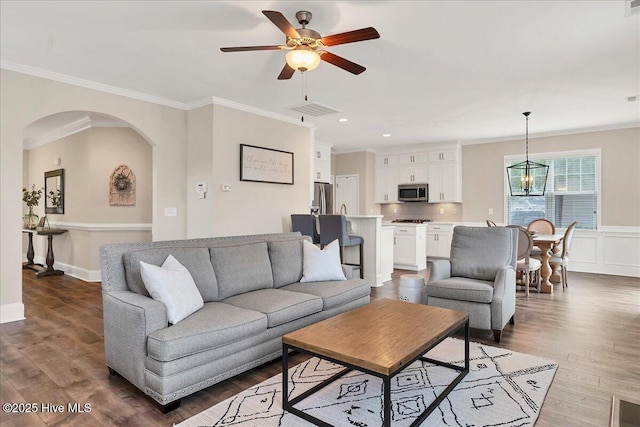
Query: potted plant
[[31, 199]]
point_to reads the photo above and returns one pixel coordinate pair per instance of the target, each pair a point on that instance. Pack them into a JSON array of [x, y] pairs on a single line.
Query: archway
[[24, 99], [88, 147]]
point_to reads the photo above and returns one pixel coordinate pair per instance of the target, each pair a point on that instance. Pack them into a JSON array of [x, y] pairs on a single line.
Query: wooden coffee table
[[381, 339]]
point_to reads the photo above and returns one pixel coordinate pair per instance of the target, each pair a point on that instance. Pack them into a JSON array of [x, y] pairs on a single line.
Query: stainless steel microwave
[[413, 192]]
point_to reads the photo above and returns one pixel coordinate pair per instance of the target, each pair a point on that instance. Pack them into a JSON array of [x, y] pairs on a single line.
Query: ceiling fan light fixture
[[303, 58]]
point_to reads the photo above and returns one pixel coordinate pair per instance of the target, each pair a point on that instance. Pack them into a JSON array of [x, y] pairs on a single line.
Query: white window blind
[[571, 193]]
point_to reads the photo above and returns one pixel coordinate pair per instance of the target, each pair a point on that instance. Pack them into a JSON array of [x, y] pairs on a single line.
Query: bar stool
[[305, 224], [334, 227]]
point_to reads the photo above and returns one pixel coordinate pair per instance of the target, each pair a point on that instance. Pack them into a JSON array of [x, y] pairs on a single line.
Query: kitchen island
[[378, 247]]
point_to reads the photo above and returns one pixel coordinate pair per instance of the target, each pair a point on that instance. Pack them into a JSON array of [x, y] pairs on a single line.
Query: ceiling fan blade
[[351, 36], [286, 73], [248, 48], [339, 61], [281, 22]]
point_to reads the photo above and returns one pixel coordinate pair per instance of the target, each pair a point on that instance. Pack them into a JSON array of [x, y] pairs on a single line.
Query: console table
[[41, 271]]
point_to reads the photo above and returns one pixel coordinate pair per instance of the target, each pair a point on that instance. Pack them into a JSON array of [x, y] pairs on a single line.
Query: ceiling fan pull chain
[[304, 91]]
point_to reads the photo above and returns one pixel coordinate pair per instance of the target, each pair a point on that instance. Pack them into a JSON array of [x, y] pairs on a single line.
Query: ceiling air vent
[[311, 108], [632, 7]]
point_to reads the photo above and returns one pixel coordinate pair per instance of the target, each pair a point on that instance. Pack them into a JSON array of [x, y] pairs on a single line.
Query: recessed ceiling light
[[343, 120], [386, 135]]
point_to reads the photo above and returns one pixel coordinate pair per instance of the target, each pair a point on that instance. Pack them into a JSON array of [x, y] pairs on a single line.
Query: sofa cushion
[[196, 260], [241, 268], [280, 306], [460, 288], [479, 252], [333, 293], [286, 261], [214, 325], [172, 285]]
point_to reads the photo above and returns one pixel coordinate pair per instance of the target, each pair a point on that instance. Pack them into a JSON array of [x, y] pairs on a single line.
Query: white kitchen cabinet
[[444, 183], [409, 243], [322, 162], [446, 155], [388, 160], [386, 185], [411, 174], [412, 158], [439, 240], [445, 175]]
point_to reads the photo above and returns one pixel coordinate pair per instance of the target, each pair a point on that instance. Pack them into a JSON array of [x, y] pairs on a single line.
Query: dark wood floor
[[56, 355]]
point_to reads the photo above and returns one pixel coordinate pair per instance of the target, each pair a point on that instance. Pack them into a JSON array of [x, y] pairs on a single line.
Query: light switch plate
[[170, 211]]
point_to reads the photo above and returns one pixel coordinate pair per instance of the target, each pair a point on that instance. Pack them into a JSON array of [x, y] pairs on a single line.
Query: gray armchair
[[479, 278]]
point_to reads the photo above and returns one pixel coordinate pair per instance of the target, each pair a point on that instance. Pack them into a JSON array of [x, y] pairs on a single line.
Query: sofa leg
[[512, 321], [112, 372], [497, 333], [170, 406]]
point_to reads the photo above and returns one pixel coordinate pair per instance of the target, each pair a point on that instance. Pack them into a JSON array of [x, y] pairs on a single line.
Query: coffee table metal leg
[[466, 347], [285, 377], [386, 422]]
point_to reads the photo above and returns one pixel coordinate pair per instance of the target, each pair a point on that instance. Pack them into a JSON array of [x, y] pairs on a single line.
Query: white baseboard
[[11, 312], [72, 270]]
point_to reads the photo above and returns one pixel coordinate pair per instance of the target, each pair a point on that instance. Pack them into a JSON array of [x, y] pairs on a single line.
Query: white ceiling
[[441, 70]]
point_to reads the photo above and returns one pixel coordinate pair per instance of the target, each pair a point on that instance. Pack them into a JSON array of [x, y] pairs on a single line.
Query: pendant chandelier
[[527, 178]]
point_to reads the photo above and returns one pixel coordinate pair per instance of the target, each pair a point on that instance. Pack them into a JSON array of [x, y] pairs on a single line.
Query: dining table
[[548, 244]]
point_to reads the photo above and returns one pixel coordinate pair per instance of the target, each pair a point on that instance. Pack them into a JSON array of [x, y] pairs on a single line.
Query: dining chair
[[334, 227], [527, 268], [540, 226], [562, 259], [490, 223], [306, 225]]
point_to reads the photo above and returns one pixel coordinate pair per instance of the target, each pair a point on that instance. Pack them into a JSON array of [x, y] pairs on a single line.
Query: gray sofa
[[252, 296], [479, 278]]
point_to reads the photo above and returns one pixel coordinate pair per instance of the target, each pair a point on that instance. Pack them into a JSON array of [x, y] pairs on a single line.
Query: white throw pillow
[[172, 285], [320, 265]]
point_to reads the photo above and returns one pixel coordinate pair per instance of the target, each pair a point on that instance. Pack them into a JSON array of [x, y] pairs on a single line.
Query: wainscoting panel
[[621, 250], [584, 249]]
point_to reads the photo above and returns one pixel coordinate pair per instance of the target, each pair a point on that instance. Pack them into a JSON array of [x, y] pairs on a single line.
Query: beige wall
[[200, 169], [25, 99], [361, 163], [215, 135], [88, 159], [483, 173]]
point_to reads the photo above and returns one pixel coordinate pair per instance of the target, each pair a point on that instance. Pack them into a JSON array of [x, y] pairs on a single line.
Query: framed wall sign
[[259, 164]]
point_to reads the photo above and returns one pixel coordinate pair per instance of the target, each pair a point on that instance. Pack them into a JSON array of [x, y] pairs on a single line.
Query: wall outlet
[[395, 210], [441, 211], [490, 211]]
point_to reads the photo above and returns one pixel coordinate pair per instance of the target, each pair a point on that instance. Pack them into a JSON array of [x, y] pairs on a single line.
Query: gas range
[[412, 221]]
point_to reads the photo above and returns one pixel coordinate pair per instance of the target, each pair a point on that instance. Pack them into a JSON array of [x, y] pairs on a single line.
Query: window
[[571, 195]]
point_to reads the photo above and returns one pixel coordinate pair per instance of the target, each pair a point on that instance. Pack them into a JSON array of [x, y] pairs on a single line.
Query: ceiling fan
[[305, 45]]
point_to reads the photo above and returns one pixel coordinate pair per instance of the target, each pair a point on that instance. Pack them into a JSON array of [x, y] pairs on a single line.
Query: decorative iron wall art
[[122, 187]]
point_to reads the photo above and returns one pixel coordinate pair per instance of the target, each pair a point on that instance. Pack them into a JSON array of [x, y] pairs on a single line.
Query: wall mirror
[[54, 192]]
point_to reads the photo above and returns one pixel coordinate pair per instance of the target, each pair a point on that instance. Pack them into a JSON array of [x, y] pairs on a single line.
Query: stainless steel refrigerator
[[322, 199]]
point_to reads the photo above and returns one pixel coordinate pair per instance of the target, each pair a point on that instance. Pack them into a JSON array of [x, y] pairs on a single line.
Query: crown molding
[[213, 100], [617, 126], [58, 133], [76, 81]]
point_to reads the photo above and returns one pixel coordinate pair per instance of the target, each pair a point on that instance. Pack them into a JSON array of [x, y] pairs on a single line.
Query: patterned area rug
[[503, 388]]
